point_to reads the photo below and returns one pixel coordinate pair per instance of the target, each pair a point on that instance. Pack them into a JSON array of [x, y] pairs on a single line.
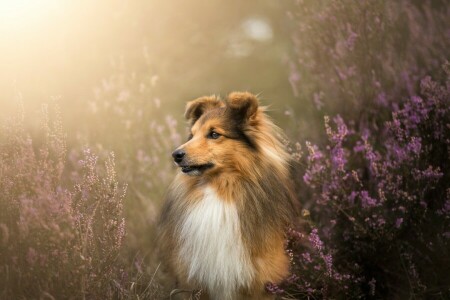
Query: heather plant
[[375, 190], [374, 184], [127, 116], [56, 241], [379, 211], [356, 58]]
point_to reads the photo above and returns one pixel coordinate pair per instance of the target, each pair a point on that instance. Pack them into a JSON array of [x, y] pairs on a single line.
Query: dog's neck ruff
[[212, 247]]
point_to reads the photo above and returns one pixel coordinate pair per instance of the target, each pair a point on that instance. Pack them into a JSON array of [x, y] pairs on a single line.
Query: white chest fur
[[212, 247]]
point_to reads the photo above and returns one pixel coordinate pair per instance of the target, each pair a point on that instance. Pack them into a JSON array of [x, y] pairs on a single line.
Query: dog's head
[[220, 137]]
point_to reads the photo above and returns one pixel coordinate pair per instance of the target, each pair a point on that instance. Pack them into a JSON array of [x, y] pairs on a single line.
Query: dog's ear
[[242, 105], [196, 108]]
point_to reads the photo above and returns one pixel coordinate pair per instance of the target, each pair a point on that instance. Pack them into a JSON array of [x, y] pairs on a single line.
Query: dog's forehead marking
[[211, 117], [216, 113]]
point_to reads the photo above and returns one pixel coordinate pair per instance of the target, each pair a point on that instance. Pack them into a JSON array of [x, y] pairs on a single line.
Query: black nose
[[178, 155]]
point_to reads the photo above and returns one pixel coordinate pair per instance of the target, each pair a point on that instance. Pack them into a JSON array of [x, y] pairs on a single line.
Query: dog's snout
[[178, 155]]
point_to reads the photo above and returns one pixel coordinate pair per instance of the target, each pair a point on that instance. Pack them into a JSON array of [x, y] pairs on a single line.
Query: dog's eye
[[190, 137], [213, 135]]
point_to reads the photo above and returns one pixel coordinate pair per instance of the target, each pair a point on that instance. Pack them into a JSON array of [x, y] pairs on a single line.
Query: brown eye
[[213, 135]]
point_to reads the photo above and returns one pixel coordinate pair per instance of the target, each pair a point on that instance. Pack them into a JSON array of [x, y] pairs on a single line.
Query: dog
[[222, 226]]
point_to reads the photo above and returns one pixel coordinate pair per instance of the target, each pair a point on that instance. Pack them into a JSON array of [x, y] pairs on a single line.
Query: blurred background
[[180, 49], [80, 80], [116, 68], [120, 73]]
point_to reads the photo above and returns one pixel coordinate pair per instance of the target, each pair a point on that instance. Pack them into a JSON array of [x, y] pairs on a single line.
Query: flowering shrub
[[357, 57], [54, 241], [126, 115], [382, 209], [144, 134], [376, 190]]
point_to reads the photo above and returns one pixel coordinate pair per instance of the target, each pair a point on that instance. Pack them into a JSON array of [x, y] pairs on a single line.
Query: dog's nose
[[178, 155]]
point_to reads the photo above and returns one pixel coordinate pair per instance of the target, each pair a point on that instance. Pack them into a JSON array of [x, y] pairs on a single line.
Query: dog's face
[[219, 139]]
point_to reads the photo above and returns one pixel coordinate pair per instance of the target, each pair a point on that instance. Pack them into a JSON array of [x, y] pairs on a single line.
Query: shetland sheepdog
[[222, 227]]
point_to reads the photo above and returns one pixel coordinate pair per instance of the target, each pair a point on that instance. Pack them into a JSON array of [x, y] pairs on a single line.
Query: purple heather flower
[[328, 259], [315, 240], [372, 286], [307, 257], [273, 288], [398, 222], [366, 200]]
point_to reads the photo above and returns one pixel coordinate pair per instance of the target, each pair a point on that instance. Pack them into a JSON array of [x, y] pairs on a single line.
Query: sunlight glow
[[19, 15], [258, 29]]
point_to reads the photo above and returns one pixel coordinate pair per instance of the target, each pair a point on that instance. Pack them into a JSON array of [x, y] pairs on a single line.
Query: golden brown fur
[[242, 170]]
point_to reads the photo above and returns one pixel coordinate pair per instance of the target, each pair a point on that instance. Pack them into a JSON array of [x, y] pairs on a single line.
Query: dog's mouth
[[195, 169]]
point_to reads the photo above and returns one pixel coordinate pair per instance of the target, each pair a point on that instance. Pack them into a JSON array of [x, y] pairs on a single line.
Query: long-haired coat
[[223, 223]]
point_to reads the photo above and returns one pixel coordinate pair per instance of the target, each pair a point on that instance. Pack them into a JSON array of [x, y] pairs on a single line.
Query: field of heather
[[92, 95]]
